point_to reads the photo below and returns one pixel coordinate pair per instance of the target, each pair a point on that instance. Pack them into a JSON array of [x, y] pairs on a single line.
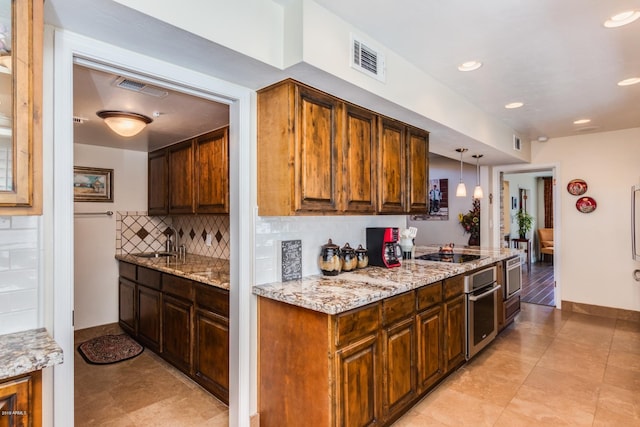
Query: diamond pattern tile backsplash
[[137, 232]]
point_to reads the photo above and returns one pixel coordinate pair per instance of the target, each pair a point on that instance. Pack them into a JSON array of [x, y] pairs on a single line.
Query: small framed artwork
[[92, 184], [514, 203]]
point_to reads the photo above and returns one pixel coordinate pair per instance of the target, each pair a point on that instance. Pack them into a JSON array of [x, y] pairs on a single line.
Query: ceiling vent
[[366, 59], [516, 143], [125, 83], [79, 120]]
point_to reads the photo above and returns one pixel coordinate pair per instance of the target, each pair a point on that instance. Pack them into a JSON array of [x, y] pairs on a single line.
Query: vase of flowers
[[471, 223]]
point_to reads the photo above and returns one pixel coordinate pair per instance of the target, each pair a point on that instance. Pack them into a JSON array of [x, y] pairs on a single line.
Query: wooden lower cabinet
[[127, 306], [149, 317], [211, 346], [364, 367], [430, 346], [21, 400], [511, 309], [454, 335], [357, 374], [185, 322], [176, 331]]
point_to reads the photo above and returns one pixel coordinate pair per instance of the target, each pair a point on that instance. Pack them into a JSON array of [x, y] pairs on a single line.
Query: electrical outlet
[[207, 241]]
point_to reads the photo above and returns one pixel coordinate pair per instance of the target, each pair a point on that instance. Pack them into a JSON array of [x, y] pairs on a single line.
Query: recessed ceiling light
[[513, 105], [581, 121], [629, 81], [622, 18], [469, 65]]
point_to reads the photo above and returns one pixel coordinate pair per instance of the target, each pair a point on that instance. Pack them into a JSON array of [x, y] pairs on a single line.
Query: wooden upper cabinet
[[418, 170], [391, 171], [158, 194], [212, 172], [297, 150], [359, 146], [181, 177], [21, 153], [319, 155], [191, 176], [316, 152]]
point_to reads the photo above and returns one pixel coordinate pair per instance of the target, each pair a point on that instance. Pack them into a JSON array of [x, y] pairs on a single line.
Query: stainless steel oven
[[512, 277], [481, 292]]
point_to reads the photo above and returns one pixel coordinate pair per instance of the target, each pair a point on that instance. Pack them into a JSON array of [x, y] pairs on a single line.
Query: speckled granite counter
[[211, 271], [27, 351], [346, 291]]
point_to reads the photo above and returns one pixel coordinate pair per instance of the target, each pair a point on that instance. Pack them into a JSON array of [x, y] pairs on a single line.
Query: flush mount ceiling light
[[477, 192], [513, 105], [124, 123], [629, 81], [623, 18], [461, 190], [470, 66], [581, 121]]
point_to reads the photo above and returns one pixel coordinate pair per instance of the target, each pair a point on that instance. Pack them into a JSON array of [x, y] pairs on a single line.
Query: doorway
[[530, 190], [68, 48], [124, 227]]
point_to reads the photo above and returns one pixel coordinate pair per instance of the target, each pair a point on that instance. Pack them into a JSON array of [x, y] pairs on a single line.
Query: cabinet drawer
[[428, 296], [397, 307], [212, 299], [177, 286], [148, 277], [128, 270], [354, 324], [453, 287], [512, 306]]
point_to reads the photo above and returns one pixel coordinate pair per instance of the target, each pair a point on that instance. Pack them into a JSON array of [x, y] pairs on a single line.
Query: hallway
[[538, 286]]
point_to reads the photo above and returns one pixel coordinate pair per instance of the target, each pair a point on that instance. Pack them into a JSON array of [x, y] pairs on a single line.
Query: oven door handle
[[484, 294]]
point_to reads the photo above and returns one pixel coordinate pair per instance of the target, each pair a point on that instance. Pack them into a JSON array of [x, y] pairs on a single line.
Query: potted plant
[[525, 223]]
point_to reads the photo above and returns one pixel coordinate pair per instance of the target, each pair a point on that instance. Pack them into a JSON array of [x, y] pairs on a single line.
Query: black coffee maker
[[383, 247]]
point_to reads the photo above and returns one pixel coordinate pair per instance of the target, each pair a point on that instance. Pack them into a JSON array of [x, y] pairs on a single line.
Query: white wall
[[314, 231], [95, 268], [437, 232], [595, 258], [20, 258]]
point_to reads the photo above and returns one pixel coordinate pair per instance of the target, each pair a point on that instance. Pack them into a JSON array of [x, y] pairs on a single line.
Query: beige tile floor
[[548, 368]]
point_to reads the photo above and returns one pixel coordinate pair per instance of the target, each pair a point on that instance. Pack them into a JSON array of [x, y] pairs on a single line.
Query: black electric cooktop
[[448, 257]]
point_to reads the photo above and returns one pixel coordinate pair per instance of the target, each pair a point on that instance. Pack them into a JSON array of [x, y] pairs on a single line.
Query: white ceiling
[[176, 116], [553, 55]]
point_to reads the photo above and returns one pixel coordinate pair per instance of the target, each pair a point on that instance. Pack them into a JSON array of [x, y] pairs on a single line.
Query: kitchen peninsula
[[362, 346], [179, 308]]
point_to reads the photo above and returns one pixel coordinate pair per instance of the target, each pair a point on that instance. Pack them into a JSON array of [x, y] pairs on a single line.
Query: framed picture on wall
[[92, 184], [438, 201]]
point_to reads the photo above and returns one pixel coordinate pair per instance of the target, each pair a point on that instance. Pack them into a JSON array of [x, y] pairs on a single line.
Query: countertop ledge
[[27, 351], [346, 291], [207, 270]]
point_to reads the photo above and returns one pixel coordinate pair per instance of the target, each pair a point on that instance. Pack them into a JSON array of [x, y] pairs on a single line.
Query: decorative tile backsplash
[[137, 232]]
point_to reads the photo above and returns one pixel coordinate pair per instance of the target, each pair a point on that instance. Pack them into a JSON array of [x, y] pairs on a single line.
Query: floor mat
[[109, 349]]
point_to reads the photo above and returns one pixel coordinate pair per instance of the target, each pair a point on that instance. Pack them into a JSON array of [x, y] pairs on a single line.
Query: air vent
[[516, 143], [366, 59], [79, 120], [124, 83]]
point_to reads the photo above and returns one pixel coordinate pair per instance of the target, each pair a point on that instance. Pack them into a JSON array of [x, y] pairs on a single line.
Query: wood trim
[[26, 197], [597, 310]]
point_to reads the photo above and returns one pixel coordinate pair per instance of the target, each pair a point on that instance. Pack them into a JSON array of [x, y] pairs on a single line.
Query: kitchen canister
[[349, 260], [329, 261], [362, 256]]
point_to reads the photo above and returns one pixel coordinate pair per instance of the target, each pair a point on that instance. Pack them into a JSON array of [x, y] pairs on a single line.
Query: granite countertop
[[27, 351], [346, 291], [207, 270]]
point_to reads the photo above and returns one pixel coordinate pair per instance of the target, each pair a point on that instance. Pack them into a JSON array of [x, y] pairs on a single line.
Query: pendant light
[[461, 190], [477, 192], [124, 123]]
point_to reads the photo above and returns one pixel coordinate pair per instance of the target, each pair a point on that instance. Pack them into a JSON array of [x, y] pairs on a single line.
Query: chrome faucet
[[169, 245]]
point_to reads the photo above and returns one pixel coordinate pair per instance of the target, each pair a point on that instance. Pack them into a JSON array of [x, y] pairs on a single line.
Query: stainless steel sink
[[155, 254]]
